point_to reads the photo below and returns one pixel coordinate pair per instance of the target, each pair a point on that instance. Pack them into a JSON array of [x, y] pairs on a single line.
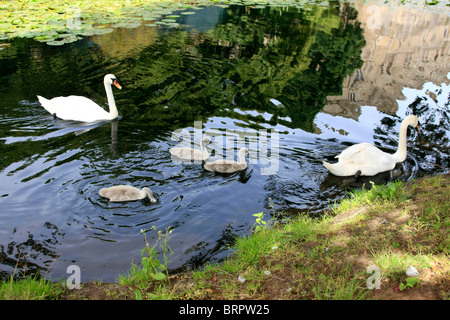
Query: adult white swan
[[80, 108], [122, 193], [367, 160], [228, 166], [187, 153]]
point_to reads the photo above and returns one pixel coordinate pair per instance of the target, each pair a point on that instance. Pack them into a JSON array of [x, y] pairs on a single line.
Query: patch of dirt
[[94, 291], [391, 292], [345, 216]]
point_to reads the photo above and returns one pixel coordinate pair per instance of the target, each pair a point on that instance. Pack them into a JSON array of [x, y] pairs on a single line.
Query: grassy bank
[[387, 228], [390, 227]]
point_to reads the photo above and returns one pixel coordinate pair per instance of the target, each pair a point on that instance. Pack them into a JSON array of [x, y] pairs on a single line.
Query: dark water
[[294, 85]]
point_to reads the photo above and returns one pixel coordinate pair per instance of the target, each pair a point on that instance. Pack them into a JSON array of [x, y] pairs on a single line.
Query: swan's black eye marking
[[116, 83]]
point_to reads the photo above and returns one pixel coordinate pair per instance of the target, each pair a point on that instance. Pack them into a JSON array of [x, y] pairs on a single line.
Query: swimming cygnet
[[122, 193], [187, 153], [228, 166]]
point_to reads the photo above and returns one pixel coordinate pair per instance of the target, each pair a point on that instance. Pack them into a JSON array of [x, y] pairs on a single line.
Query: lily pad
[[150, 16], [87, 32], [132, 25], [103, 30], [169, 20], [56, 42], [173, 25]]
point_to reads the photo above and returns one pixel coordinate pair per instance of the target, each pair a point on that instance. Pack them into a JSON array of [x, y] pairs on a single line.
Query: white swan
[[80, 108], [367, 160], [122, 193], [187, 153], [228, 166]]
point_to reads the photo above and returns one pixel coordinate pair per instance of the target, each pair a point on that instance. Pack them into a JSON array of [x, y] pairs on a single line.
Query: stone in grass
[[412, 272]]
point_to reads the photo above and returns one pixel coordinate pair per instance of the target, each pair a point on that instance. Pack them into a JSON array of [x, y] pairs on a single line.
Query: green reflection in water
[[295, 56]]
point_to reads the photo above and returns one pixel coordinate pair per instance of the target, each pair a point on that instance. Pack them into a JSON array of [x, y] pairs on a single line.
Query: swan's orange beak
[[418, 128], [116, 83]]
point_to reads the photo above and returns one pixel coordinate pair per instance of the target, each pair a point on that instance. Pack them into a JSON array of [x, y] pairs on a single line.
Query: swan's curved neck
[[242, 156], [111, 102], [202, 145], [148, 193], [400, 154]]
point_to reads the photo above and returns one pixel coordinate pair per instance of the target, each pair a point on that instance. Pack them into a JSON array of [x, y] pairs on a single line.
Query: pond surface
[[295, 85]]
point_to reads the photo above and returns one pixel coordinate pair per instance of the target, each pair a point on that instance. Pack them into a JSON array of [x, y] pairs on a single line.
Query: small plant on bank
[[152, 269], [390, 192], [410, 282], [259, 222]]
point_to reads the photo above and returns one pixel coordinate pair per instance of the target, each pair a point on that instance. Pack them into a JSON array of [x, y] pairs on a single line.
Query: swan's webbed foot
[[357, 174]]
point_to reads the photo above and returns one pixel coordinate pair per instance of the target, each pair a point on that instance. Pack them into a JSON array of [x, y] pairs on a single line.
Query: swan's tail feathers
[[47, 104], [326, 164], [330, 167], [42, 100]]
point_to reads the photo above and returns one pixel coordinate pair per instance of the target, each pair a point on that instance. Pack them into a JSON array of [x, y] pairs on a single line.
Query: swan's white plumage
[[79, 108], [228, 166], [122, 193], [367, 159]]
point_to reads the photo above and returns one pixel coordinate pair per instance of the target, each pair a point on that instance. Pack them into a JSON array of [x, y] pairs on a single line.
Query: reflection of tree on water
[[20, 257], [431, 104], [295, 56]]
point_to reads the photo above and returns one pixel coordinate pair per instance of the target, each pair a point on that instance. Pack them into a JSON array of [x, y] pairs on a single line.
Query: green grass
[[377, 195], [30, 288], [343, 286]]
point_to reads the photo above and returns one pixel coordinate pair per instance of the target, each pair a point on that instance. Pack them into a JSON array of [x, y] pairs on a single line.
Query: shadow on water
[[259, 78]]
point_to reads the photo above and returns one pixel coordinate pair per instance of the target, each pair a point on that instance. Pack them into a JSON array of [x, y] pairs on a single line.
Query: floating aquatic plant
[[48, 20]]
